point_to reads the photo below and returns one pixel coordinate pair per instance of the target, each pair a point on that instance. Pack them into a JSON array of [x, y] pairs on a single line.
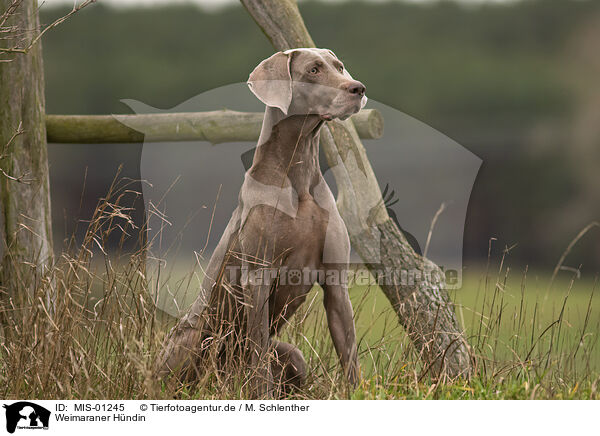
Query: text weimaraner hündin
[[285, 235]]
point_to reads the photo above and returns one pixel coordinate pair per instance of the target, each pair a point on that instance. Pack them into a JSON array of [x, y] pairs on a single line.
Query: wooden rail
[[215, 127]]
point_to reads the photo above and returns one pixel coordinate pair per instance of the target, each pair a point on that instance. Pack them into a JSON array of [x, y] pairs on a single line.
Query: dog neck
[[288, 146], [299, 125]]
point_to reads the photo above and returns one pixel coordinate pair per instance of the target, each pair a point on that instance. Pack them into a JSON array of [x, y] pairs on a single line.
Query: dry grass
[[90, 329]]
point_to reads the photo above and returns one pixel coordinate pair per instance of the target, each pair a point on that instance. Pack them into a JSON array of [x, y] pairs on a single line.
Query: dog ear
[[271, 81]]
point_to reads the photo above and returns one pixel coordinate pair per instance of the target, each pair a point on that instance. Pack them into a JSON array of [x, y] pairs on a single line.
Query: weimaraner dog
[[285, 235]]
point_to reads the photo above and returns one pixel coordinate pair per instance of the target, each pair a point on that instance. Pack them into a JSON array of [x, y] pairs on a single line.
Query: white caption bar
[[288, 418]]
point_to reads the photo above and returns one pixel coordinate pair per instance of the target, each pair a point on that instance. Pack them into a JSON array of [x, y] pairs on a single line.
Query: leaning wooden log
[[423, 307], [215, 127]]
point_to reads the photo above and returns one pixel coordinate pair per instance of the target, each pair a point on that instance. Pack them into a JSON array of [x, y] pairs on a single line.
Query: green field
[[529, 339]]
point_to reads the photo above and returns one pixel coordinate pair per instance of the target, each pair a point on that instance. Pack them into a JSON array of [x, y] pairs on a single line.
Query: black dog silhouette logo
[[26, 415]]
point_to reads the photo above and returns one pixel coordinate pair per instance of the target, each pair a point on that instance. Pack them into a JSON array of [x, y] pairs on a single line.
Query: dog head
[[307, 81]]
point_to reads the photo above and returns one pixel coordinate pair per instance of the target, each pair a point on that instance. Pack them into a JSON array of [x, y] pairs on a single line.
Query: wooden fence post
[[25, 219]]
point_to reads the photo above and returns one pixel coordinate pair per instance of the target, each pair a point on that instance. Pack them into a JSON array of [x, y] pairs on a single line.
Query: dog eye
[[314, 70], [341, 68]]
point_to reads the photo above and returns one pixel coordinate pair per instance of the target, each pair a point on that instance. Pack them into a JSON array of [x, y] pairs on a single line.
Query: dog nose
[[356, 87]]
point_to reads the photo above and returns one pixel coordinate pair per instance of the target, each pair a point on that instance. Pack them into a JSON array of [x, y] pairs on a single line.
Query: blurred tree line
[[515, 83]]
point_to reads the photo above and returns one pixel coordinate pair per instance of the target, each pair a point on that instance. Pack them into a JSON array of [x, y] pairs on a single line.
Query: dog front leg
[[341, 327], [256, 293]]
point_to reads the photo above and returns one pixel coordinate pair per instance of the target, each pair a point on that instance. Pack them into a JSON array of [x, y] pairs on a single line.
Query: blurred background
[[516, 83]]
